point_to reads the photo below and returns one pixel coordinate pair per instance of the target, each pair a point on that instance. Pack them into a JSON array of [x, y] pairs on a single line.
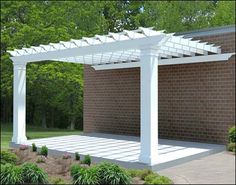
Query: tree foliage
[[55, 89]]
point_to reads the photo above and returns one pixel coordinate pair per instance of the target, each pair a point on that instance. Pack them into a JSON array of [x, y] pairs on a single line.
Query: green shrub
[[85, 176], [231, 147], [232, 135], [75, 168], [109, 173], [87, 160], [149, 178], [32, 174], [44, 151], [8, 157], [34, 147], [139, 173], [56, 180], [77, 156], [162, 180], [157, 179], [10, 174], [132, 172]]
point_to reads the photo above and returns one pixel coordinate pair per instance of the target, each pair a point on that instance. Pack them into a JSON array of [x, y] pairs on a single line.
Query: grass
[[33, 132]]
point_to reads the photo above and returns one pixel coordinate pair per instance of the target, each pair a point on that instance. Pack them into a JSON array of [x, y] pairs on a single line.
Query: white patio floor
[[125, 150]]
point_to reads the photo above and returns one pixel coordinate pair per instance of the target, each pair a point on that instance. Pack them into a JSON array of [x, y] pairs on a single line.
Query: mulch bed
[[54, 166]]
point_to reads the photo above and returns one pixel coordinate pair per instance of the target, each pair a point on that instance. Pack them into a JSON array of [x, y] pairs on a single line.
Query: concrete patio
[[125, 150]]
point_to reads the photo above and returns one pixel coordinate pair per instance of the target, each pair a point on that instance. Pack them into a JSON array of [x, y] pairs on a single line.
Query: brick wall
[[196, 101]]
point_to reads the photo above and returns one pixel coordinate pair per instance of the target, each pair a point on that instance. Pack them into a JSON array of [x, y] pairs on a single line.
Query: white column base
[[19, 140], [151, 160]]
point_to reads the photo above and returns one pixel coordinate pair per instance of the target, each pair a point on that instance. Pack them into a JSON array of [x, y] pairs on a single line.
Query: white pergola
[[144, 48]]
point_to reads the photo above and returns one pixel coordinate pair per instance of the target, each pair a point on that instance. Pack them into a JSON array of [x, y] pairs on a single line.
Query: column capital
[[20, 65], [148, 51]]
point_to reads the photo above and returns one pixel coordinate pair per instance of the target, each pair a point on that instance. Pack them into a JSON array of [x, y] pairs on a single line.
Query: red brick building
[[196, 101]]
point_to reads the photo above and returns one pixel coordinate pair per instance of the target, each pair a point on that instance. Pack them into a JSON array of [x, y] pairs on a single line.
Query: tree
[[55, 89], [224, 13], [176, 16]]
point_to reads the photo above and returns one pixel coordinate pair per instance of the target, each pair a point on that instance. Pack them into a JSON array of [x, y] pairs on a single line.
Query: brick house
[[196, 101]]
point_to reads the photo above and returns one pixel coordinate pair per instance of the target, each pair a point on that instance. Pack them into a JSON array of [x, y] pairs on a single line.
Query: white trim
[[186, 60], [117, 66], [196, 59]]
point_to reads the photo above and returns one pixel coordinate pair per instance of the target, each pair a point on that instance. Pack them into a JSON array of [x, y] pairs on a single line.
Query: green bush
[[10, 174], [132, 172], [56, 180], [157, 179], [8, 157], [75, 168], [44, 151], [232, 135], [87, 160], [77, 156], [109, 173], [149, 178], [139, 173], [85, 176], [32, 174], [231, 147], [162, 180], [34, 147]]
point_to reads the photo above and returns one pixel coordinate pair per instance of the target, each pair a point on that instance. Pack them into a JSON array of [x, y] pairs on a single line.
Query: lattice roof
[[119, 47]]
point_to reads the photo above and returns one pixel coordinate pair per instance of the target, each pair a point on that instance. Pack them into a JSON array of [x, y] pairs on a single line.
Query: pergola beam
[[172, 61], [90, 50]]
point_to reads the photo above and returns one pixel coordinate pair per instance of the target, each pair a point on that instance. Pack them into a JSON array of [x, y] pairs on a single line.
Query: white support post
[[19, 105], [149, 106]]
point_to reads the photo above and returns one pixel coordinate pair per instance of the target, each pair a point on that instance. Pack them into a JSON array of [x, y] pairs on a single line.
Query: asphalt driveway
[[214, 169]]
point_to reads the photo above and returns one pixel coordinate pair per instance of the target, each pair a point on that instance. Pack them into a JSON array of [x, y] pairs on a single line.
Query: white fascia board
[[173, 61], [196, 59], [93, 49], [116, 66]]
